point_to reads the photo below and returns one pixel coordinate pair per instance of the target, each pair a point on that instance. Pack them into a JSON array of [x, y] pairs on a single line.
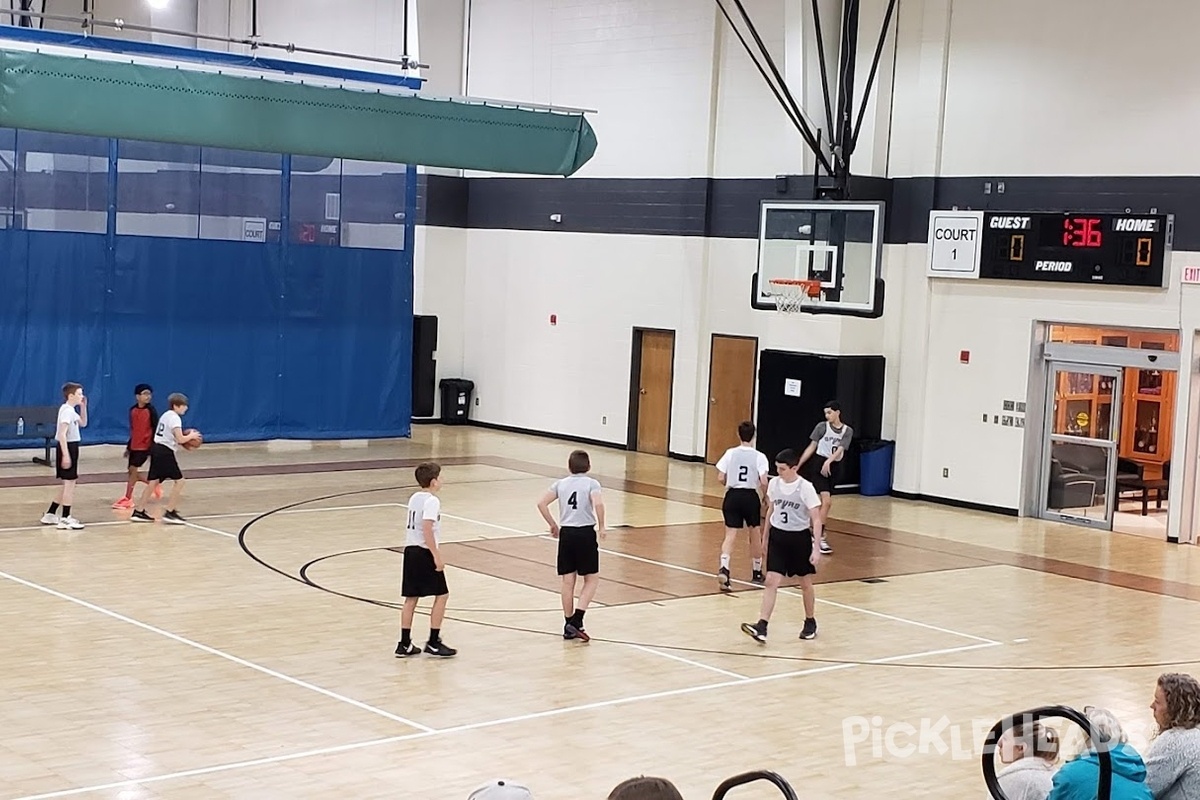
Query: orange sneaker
[[124, 502]]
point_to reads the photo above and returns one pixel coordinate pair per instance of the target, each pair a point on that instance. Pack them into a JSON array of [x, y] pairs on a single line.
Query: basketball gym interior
[[363, 236]]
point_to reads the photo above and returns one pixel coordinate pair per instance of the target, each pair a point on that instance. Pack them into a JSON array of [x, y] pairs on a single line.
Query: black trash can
[[456, 400], [875, 460]]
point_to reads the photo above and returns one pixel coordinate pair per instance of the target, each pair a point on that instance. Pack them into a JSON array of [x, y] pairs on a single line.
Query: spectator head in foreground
[[501, 790], [643, 788]]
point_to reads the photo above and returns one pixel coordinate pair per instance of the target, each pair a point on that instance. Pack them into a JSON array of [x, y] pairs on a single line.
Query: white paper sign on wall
[[791, 387], [254, 229], [954, 244], [1191, 274]]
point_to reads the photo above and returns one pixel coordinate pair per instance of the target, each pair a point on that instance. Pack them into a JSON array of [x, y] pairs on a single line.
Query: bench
[[38, 422]]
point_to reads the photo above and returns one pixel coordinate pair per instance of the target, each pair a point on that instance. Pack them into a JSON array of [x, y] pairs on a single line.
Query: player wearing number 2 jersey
[[744, 472], [791, 542], [581, 515]]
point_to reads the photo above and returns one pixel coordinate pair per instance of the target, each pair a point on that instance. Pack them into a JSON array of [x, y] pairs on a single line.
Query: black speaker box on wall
[[793, 389], [424, 365]]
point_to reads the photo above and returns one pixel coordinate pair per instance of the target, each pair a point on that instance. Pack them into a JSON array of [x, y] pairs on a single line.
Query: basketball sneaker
[[50, 519], [825, 548], [124, 502], [173, 518], [758, 577], [723, 580], [573, 631], [140, 516], [757, 631], [810, 629], [405, 650], [440, 648], [69, 524]]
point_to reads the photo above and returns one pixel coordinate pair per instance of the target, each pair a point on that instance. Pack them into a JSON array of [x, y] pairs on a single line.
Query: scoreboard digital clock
[[1115, 249]]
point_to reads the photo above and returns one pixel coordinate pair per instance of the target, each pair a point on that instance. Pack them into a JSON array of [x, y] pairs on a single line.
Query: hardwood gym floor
[[189, 662]]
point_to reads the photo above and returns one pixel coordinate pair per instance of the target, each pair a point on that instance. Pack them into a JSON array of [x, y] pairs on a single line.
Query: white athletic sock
[[758, 565], [724, 561]]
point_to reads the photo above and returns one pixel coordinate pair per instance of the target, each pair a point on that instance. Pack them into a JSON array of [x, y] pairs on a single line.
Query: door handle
[[641, 391], [712, 400]]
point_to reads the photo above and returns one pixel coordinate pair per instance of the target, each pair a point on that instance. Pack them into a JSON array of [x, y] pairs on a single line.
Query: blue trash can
[[875, 467]]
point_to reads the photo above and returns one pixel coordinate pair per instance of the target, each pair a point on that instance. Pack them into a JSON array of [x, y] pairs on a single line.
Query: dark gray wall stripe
[[729, 207]]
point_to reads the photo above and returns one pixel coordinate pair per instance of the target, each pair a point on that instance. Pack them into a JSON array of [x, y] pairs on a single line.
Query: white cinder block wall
[[1091, 89]]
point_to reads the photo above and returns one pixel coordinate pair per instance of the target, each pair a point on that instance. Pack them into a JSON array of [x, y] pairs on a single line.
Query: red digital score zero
[[1082, 232]]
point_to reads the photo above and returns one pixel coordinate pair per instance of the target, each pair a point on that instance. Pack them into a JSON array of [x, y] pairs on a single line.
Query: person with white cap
[[501, 790]]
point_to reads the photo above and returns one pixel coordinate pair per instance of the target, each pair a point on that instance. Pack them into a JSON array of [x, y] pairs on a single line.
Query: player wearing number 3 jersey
[[744, 471], [581, 520], [791, 543]]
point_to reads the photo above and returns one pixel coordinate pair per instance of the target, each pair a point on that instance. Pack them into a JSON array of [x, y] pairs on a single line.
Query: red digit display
[[1082, 232]]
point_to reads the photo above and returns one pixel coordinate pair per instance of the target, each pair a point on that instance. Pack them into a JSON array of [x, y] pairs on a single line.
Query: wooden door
[[650, 411], [731, 377]]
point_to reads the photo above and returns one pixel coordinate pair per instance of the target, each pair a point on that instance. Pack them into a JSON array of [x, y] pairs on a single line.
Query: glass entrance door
[[1079, 464]]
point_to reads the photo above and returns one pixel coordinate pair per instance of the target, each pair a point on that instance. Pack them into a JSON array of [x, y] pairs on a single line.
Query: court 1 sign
[[954, 244]]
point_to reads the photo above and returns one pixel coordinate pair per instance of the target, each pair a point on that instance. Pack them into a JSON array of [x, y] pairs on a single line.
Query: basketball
[[195, 444]]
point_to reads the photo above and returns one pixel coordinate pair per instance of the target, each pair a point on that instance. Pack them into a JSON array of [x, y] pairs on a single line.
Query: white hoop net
[[789, 297]]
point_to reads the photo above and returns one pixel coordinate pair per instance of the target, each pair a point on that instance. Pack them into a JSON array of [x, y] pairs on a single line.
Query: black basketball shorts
[[164, 466], [420, 576], [70, 473], [742, 508], [788, 552], [578, 551]]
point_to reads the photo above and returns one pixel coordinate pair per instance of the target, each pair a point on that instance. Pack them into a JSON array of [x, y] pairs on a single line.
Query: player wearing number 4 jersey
[[792, 550], [581, 520], [744, 471]]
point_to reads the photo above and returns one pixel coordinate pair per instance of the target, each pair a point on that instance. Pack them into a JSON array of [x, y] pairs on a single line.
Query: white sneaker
[[70, 524], [50, 519]]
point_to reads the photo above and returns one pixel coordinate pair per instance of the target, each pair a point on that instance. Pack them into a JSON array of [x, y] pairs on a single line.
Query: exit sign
[[1191, 274]]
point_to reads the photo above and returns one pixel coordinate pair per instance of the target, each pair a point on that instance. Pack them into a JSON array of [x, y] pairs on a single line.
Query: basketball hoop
[[789, 294]]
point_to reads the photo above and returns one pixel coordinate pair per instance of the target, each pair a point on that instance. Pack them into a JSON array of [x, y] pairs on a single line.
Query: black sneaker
[[756, 631], [440, 648], [825, 548], [723, 579], [173, 518], [810, 629], [405, 650], [576, 632], [569, 631], [140, 516], [758, 577]]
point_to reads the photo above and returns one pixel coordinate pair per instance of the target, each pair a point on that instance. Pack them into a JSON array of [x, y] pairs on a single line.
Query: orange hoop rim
[[811, 288]]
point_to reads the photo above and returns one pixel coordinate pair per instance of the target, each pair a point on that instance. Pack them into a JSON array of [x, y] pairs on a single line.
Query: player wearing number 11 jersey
[[581, 520]]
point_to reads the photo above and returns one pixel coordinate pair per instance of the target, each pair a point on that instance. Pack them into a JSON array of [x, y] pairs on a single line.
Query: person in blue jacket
[[1079, 778]]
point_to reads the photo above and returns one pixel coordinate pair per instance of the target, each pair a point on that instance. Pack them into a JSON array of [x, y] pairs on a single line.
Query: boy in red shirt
[[142, 419]]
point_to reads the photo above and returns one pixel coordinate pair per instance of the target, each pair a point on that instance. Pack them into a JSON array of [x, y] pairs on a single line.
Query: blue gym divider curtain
[[267, 340]]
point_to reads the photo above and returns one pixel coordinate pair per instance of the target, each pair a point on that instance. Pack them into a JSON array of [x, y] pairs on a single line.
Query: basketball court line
[[843, 606], [213, 651], [473, 726], [208, 517]]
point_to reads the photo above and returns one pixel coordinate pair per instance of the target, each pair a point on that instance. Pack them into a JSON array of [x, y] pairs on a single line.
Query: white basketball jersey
[[744, 467], [423, 506], [792, 504], [164, 434], [828, 439], [575, 500]]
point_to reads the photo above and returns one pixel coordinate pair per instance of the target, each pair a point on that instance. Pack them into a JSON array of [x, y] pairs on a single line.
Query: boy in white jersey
[[581, 514], [66, 465], [795, 529], [829, 442], [743, 470], [424, 570], [164, 465]]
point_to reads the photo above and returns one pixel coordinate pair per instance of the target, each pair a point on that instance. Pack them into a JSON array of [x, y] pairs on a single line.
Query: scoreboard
[[1114, 249]]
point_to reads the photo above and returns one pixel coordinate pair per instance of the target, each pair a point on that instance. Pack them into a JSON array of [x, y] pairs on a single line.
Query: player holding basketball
[[743, 470], [424, 570], [164, 466], [792, 540], [829, 441], [581, 514]]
